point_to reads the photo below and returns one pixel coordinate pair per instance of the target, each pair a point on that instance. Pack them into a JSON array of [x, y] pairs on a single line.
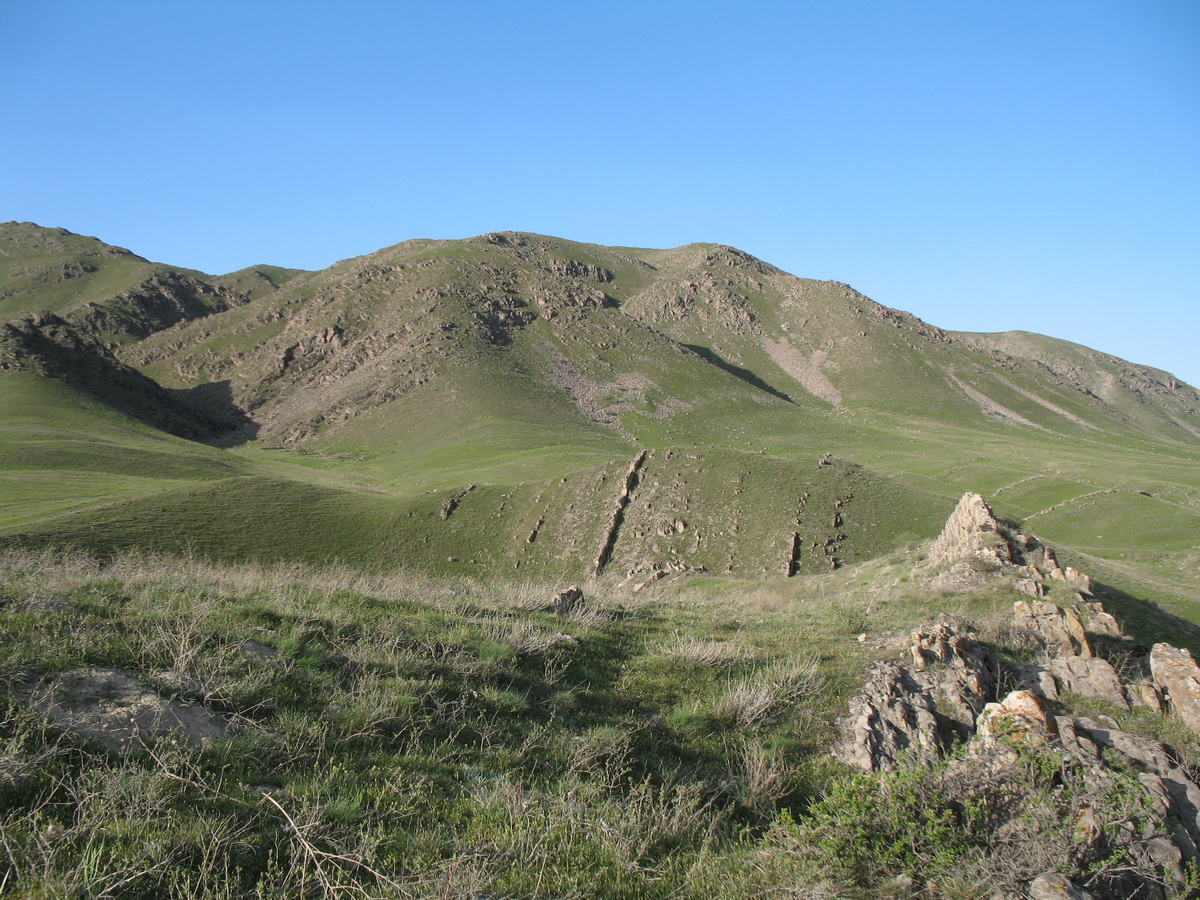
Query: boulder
[[1088, 677]]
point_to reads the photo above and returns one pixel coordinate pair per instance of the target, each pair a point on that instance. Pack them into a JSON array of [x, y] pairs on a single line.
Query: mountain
[[524, 404]]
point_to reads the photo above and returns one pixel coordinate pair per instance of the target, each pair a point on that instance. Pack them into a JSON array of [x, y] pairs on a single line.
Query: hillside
[[523, 404], [284, 611]]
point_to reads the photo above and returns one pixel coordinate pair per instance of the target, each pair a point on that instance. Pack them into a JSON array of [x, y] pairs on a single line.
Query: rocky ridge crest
[[954, 701]]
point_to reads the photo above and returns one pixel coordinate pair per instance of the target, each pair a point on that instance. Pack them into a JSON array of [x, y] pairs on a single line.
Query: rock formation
[[1177, 675], [972, 531], [911, 713]]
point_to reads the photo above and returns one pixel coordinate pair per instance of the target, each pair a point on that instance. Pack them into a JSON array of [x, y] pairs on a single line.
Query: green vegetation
[[325, 513]]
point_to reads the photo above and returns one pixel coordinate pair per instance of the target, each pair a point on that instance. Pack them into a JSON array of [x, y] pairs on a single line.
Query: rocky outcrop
[[972, 531], [914, 711], [1057, 630], [618, 513], [892, 719], [1176, 674], [975, 542]]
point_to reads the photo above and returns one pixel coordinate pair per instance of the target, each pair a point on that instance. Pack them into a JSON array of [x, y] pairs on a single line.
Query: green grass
[[412, 737]]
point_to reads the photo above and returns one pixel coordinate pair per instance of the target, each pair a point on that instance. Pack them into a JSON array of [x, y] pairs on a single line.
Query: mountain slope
[[477, 405]]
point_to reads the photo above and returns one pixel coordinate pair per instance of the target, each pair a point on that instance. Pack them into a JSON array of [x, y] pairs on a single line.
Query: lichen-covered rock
[[891, 718], [1177, 675], [1088, 677], [972, 531], [1058, 630], [1020, 719], [1052, 886]]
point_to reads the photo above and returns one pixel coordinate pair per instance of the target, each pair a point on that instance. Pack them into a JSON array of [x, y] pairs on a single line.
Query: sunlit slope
[[482, 406]]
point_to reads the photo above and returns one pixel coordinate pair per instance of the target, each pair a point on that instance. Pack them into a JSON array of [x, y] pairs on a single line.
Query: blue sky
[[985, 165]]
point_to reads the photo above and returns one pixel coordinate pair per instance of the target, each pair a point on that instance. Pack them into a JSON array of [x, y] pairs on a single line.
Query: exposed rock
[[253, 651], [566, 602], [972, 531], [901, 708], [1038, 680], [1143, 694], [1019, 719], [1101, 622], [1092, 677], [1052, 886], [1031, 587], [892, 718], [111, 708], [1074, 578], [1059, 630], [1173, 794], [1177, 675], [967, 679]]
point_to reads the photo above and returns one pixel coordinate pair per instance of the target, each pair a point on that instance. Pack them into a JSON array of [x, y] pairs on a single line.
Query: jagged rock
[[1020, 718], [891, 718], [1059, 630], [1052, 886], [1177, 675], [965, 683], [972, 531], [566, 602], [1031, 587], [1088, 677]]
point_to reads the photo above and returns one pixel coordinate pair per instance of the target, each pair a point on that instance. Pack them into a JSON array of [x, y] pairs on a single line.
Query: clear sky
[[985, 164]]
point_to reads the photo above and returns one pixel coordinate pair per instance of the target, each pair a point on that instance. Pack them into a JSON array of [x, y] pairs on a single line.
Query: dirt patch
[[113, 709]]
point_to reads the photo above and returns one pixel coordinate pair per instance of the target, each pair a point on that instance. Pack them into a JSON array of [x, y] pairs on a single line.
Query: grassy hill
[[474, 407], [319, 520]]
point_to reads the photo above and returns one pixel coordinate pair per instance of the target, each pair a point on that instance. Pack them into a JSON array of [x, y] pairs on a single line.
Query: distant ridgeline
[[523, 405]]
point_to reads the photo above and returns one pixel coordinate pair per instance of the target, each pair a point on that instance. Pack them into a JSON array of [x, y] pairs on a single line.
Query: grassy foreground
[[398, 737]]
